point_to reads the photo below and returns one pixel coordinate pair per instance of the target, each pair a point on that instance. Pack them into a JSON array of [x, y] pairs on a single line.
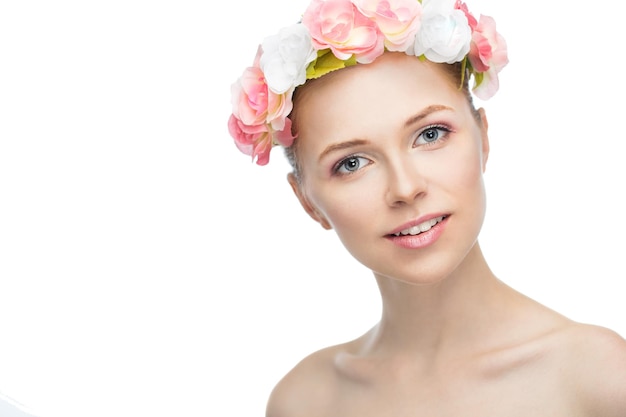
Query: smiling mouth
[[420, 228]]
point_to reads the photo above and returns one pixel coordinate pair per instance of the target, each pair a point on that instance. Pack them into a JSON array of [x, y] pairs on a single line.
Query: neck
[[457, 311]]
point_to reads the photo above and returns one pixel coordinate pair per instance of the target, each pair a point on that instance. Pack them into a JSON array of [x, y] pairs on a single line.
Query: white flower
[[285, 58], [445, 34]]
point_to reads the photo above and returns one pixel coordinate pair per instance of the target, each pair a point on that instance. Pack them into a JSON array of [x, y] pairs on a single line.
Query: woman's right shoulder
[[307, 389]]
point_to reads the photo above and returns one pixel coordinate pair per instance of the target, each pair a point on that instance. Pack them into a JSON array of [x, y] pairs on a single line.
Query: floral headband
[[335, 34]]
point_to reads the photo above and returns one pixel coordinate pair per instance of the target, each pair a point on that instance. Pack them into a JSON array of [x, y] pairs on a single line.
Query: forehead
[[358, 100]]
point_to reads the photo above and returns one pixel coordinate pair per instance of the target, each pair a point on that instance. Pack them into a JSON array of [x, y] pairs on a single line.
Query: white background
[[147, 268]]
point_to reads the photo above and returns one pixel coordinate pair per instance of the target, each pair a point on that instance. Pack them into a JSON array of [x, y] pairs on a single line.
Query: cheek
[[351, 210], [348, 208], [470, 189], [461, 179], [465, 168], [468, 175]]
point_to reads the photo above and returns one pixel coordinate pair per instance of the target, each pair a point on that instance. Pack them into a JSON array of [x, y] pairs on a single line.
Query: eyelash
[[443, 128], [342, 163]]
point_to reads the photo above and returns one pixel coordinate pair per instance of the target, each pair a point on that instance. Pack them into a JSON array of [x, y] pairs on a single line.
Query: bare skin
[[512, 357], [453, 339]]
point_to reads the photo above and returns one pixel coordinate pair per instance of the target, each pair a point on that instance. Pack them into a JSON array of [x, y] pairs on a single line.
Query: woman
[[372, 102]]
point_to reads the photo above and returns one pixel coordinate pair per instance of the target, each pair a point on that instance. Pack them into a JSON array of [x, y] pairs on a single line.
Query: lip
[[423, 239], [417, 221]]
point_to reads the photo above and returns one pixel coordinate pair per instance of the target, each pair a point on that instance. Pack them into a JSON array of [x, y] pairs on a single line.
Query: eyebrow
[[342, 145], [410, 121], [426, 112]]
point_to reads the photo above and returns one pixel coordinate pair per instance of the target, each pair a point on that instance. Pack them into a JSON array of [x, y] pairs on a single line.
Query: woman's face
[[392, 159]]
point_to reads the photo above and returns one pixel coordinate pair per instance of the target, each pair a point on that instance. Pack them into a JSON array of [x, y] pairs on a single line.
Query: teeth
[[422, 227]]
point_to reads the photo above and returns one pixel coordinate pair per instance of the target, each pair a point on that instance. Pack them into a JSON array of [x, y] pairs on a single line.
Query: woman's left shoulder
[[595, 365], [597, 344]]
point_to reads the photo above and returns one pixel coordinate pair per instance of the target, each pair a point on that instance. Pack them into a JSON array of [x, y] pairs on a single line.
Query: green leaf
[[478, 78], [326, 62]]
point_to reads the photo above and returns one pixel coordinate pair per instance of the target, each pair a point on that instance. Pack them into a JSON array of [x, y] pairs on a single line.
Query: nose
[[405, 183]]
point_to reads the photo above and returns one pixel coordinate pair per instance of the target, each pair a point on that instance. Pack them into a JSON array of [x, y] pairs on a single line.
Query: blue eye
[[350, 165], [432, 134]]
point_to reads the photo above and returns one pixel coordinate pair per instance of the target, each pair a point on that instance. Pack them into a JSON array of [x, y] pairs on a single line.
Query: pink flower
[[259, 118], [338, 25], [471, 20], [258, 140], [249, 97], [253, 140], [398, 20], [488, 54], [254, 103]]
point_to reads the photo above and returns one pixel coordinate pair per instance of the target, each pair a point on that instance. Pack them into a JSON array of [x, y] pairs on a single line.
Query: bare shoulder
[[595, 360], [307, 389]]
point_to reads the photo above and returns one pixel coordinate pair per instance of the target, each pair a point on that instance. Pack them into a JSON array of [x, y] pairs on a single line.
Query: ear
[[484, 127], [306, 204]]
